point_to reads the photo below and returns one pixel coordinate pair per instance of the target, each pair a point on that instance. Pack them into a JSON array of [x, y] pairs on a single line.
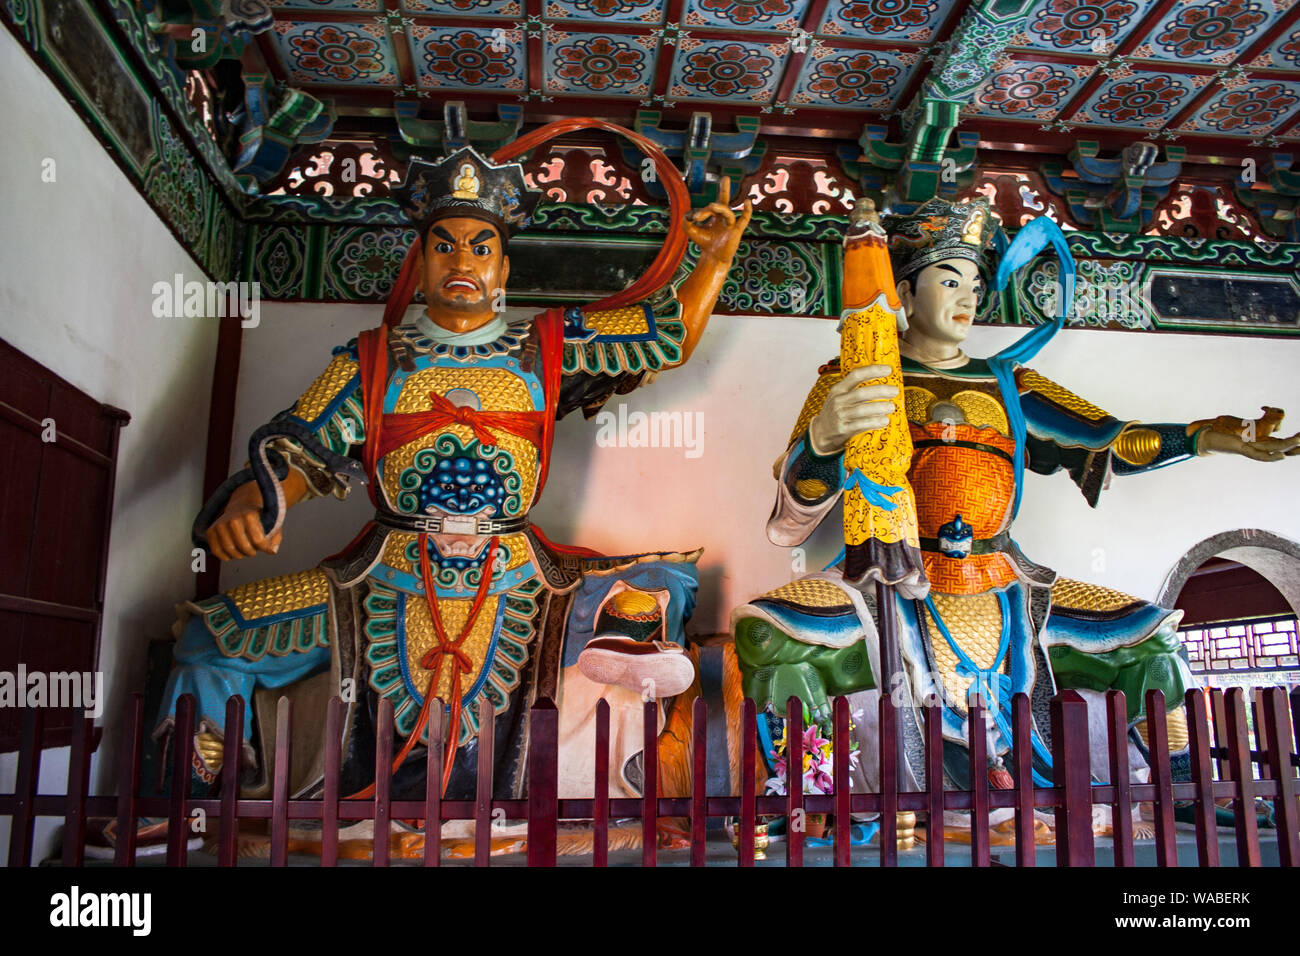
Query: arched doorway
[[1242, 591]]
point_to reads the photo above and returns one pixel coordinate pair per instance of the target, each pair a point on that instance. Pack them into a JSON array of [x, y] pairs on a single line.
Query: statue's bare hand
[[852, 408], [1265, 449], [716, 228], [238, 532]]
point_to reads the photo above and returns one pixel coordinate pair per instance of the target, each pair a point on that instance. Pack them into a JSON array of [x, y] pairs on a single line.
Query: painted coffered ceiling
[[1213, 75]]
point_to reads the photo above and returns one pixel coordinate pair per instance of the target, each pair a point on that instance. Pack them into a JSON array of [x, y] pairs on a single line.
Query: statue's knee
[[758, 642]]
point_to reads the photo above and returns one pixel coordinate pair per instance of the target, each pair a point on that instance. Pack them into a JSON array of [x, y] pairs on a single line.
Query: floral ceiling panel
[[1140, 100], [1187, 68], [1252, 108], [347, 52], [650, 12], [855, 79], [599, 63], [742, 15], [733, 70], [915, 21], [468, 58], [1216, 31], [1085, 26]]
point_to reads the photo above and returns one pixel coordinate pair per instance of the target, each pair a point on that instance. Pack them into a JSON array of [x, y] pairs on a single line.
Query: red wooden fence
[[1223, 763]]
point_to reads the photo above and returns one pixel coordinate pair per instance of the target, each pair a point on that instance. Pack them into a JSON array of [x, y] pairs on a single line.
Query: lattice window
[[1259, 645]]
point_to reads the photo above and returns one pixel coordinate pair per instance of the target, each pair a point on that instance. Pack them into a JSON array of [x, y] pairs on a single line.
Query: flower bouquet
[[818, 770]]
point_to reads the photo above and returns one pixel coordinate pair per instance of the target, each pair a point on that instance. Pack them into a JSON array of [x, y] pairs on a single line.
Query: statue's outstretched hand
[[238, 532], [850, 409], [1264, 449], [716, 228]]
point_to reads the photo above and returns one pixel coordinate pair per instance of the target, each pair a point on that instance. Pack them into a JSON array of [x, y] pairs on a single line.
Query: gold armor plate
[[629, 320], [326, 388], [278, 595], [809, 593], [1031, 380], [975, 623], [1082, 596], [498, 390]]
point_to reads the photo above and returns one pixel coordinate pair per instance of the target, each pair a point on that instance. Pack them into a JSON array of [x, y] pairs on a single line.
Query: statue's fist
[[238, 532], [852, 408]]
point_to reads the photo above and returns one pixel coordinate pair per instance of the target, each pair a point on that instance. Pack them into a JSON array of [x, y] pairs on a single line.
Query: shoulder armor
[[1027, 380], [630, 323]]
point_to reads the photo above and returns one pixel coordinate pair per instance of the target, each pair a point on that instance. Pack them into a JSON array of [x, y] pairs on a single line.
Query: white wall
[[80, 257], [749, 377]]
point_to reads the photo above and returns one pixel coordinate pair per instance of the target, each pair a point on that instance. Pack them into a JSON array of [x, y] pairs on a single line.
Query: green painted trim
[[312, 279]]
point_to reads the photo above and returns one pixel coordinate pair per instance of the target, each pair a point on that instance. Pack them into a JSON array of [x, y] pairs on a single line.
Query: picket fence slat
[[699, 782], [841, 746], [543, 779], [888, 739], [748, 782], [1122, 807], [1242, 772], [1295, 726], [382, 804], [650, 783], [329, 834], [1026, 850], [1219, 711], [600, 838], [1070, 770], [484, 782], [1257, 736], [183, 753], [934, 830], [977, 751], [1162, 778], [280, 782], [794, 810], [1277, 732], [228, 842], [1207, 835], [127, 781]]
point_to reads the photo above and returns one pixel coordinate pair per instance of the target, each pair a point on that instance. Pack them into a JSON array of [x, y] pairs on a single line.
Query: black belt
[[956, 443], [980, 546], [451, 524]]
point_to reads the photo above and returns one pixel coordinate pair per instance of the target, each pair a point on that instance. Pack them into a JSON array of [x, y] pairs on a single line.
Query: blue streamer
[[878, 495], [1035, 236]]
